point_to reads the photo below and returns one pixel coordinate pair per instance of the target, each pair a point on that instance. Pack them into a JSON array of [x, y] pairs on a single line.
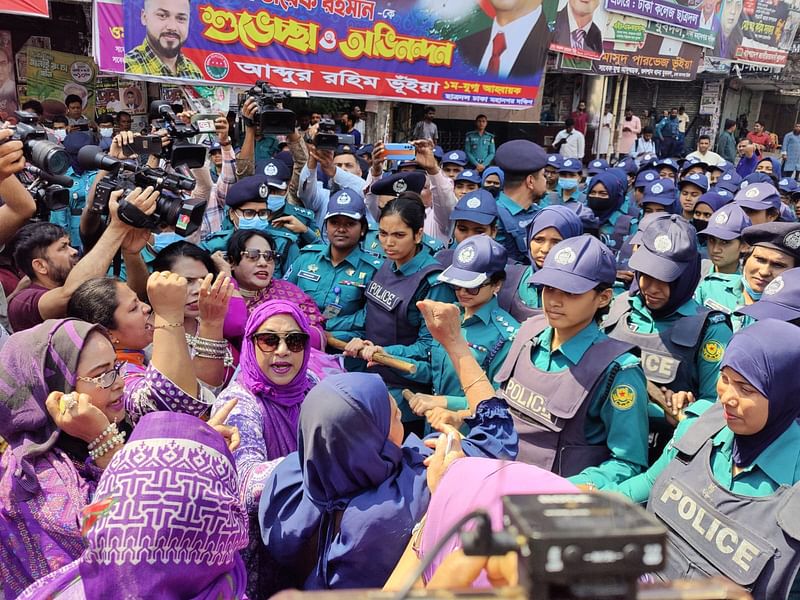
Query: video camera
[[328, 139], [50, 192], [271, 119], [181, 151], [39, 151], [172, 208]]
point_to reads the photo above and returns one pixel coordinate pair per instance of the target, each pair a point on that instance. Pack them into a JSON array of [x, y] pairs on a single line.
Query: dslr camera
[[270, 118], [172, 209], [328, 139], [39, 151]]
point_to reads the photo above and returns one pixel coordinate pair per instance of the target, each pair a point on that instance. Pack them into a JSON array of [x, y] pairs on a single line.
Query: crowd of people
[[348, 354]]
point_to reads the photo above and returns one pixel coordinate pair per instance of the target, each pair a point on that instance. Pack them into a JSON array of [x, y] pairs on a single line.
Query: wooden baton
[[379, 357]]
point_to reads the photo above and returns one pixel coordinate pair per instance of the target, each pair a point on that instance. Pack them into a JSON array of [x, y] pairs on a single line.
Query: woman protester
[[65, 412], [476, 276], [394, 324], [337, 514], [725, 486], [142, 548], [550, 225], [336, 274]]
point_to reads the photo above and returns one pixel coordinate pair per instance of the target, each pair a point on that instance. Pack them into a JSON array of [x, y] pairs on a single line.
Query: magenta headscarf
[[471, 483], [280, 404]]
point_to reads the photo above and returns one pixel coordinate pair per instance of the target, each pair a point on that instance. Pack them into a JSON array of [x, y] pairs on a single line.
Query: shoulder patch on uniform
[[713, 351], [623, 397], [376, 261], [283, 234]]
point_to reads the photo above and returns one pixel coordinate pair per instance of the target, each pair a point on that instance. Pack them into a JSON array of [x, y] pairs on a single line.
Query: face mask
[[567, 184], [275, 202], [599, 203], [493, 190], [165, 239], [60, 134], [254, 223], [106, 132], [699, 224]]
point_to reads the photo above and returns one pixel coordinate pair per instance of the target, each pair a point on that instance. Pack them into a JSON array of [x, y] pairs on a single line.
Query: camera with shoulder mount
[[180, 151], [270, 118], [172, 209]]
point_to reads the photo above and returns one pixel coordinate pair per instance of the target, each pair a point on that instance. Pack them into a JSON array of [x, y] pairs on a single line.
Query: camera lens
[[186, 216], [48, 156]]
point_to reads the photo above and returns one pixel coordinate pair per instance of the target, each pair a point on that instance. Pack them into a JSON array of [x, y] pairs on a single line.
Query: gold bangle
[[481, 376], [167, 325]]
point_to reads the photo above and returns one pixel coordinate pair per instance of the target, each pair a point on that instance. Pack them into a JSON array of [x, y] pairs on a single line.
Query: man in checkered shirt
[[167, 27]]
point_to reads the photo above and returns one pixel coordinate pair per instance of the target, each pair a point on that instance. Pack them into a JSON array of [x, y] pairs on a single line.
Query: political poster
[[706, 33], [28, 8], [451, 52], [579, 28], [624, 29], [663, 11], [52, 76], [8, 84]]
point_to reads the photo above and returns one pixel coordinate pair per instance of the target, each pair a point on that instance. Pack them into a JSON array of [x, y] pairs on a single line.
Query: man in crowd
[[760, 137], [569, 142], [704, 152], [667, 135], [748, 157], [426, 129], [479, 145], [726, 142], [790, 152], [580, 117]]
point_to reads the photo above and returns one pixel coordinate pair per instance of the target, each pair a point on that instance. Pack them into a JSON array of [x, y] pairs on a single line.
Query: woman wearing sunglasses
[[393, 322], [552, 224], [476, 276], [65, 411], [272, 382], [252, 256]]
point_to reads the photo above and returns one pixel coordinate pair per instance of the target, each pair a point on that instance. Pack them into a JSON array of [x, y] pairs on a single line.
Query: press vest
[[549, 408], [509, 299], [668, 356], [388, 296], [753, 541]]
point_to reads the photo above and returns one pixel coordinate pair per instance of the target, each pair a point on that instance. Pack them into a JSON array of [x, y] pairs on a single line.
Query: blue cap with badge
[[787, 185], [396, 184], [438, 153], [644, 177], [520, 156], [470, 176], [577, 265], [596, 166], [667, 162], [348, 203], [215, 147], [570, 165], [727, 223], [757, 178], [628, 165], [644, 223], [696, 179], [729, 181], [758, 196], [668, 247], [478, 206], [248, 189], [474, 261], [780, 300], [277, 173], [661, 191], [783, 237], [455, 157], [554, 161]]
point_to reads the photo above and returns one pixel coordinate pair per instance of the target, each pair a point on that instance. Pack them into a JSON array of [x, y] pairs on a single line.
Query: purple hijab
[[280, 404], [33, 363], [565, 220], [766, 355], [166, 521]]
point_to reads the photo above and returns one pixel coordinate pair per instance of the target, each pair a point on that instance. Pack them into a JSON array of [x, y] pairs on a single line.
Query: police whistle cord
[[657, 396], [379, 357]]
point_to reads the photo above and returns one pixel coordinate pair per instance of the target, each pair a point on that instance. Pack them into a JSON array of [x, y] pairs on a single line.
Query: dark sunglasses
[[471, 291], [254, 254], [268, 341]]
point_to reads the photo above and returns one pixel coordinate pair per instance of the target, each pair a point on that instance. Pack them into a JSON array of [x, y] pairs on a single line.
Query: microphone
[[93, 158], [61, 180]]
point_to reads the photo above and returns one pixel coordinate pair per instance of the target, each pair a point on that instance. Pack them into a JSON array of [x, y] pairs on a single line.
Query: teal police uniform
[[723, 292], [70, 217], [528, 292], [480, 148], [337, 290]]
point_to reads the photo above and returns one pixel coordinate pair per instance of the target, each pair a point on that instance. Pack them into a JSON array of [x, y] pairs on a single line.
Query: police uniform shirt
[[556, 198], [490, 326], [723, 292], [531, 295], [523, 218], [616, 418], [709, 351], [608, 228], [341, 286], [479, 148]]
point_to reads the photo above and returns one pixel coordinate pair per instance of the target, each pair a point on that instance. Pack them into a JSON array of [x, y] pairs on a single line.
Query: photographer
[[18, 205], [214, 216], [43, 253], [257, 147]]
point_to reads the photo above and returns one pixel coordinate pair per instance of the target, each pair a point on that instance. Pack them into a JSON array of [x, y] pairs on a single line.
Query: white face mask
[[106, 132], [60, 134]]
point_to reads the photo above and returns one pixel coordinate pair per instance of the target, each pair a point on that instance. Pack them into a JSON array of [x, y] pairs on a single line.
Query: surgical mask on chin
[[106, 132], [60, 134], [275, 202], [253, 223], [162, 240], [567, 184]]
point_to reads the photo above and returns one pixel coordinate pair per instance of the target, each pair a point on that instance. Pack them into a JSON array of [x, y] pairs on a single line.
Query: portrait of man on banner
[[166, 24], [516, 43], [578, 28]]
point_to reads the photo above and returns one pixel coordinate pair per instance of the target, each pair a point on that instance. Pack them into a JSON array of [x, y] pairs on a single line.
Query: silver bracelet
[[110, 430], [107, 446]]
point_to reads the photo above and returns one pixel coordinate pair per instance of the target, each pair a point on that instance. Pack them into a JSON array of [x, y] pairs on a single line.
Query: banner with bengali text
[[29, 8], [426, 51], [664, 11]]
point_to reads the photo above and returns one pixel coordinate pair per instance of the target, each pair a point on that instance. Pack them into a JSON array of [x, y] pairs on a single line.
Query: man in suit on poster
[[576, 29], [516, 43]]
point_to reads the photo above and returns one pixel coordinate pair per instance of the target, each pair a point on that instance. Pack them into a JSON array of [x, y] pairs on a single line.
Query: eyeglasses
[[106, 380], [250, 213], [471, 291], [268, 341], [254, 254]]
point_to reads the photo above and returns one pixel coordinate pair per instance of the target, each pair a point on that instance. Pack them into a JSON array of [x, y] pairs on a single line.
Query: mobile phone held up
[[400, 152]]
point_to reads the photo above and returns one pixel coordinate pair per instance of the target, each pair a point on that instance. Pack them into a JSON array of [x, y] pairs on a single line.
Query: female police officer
[[725, 486]]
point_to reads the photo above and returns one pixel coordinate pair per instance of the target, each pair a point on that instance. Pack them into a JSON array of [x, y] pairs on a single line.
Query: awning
[[29, 8]]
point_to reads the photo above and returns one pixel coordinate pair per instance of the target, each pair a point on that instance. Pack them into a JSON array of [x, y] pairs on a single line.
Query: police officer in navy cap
[[523, 163], [658, 196], [691, 188], [476, 274], [465, 182], [336, 274], [643, 177], [215, 154], [551, 171], [667, 168], [729, 181], [596, 166], [760, 201], [780, 300], [568, 188], [453, 162], [474, 214]]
